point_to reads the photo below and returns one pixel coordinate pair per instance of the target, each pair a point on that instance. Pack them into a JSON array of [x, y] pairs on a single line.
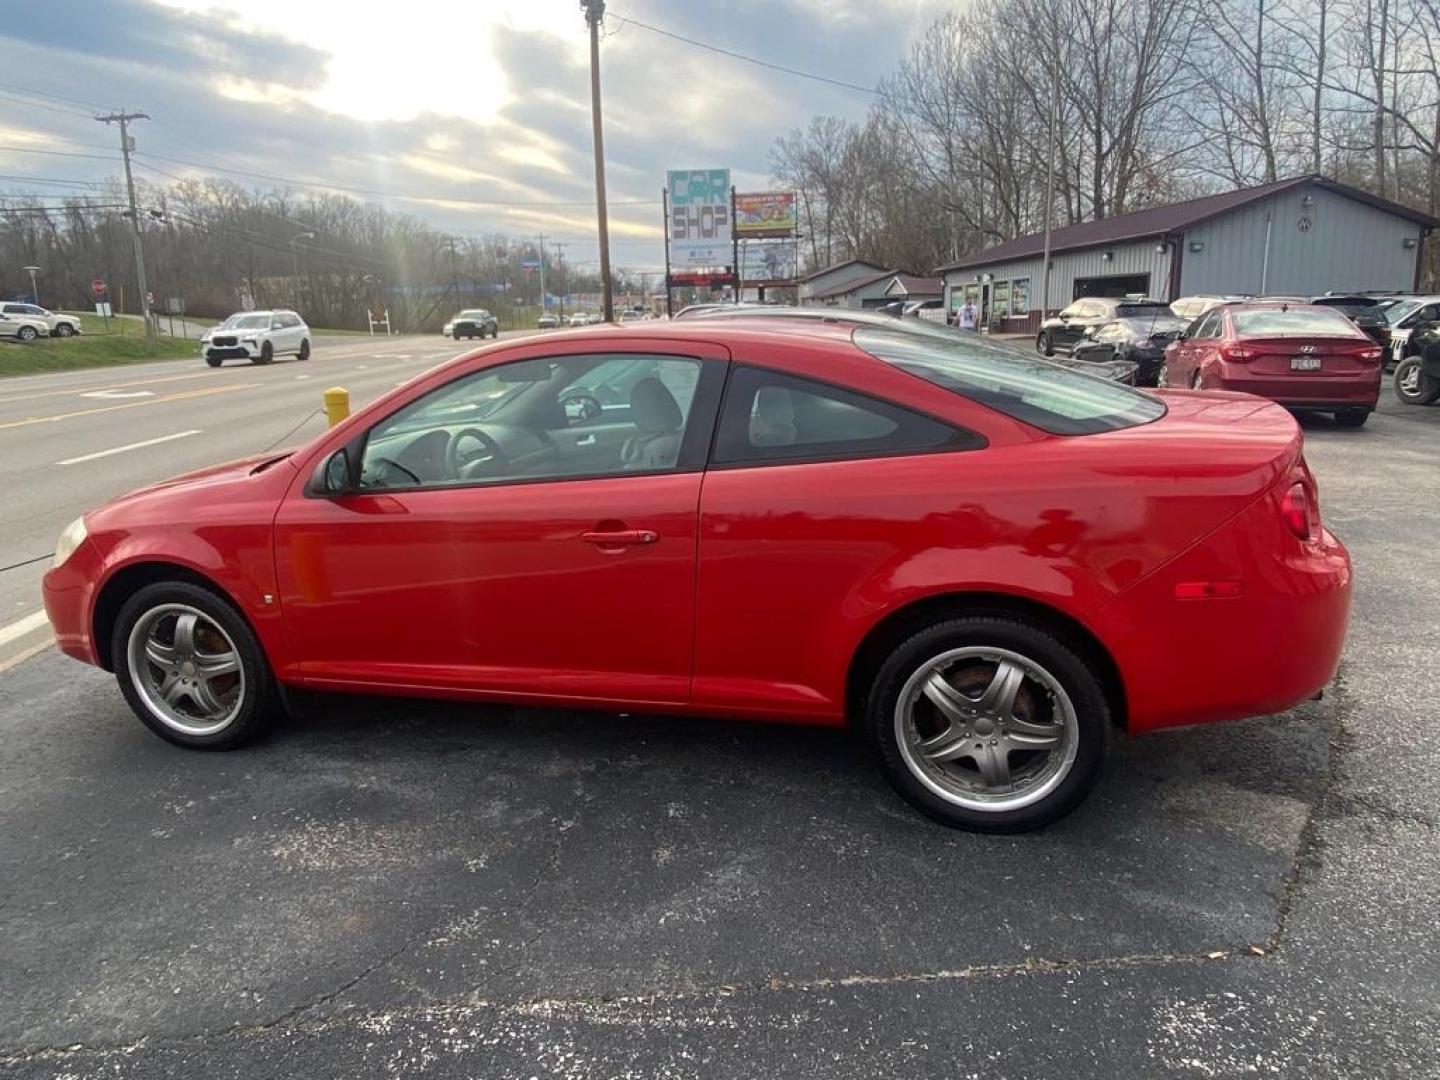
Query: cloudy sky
[[474, 116]]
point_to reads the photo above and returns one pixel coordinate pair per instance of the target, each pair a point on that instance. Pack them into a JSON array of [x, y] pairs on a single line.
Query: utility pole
[[1049, 195], [126, 145], [594, 12], [542, 273], [559, 249], [454, 270]]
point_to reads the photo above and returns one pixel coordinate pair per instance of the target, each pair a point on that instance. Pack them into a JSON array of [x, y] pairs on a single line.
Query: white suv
[[58, 325], [257, 336]]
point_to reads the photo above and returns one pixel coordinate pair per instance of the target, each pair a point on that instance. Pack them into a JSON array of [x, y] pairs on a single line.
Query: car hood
[[212, 485]]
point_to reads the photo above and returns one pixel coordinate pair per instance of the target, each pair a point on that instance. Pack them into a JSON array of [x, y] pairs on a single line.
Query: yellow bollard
[[337, 404]]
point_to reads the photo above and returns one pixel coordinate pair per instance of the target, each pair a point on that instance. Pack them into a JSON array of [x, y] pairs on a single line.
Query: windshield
[[1159, 324], [1047, 396], [1400, 310], [247, 322], [473, 313], [1296, 322]]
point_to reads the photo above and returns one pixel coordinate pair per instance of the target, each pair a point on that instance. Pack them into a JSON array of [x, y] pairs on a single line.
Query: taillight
[[1371, 354], [1231, 351], [1299, 512]]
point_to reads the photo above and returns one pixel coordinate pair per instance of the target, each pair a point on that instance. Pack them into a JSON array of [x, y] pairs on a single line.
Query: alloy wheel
[[186, 669], [1409, 381], [986, 728]]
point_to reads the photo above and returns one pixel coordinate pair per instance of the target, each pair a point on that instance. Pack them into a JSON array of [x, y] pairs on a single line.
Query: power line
[[59, 153], [748, 59], [88, 105]]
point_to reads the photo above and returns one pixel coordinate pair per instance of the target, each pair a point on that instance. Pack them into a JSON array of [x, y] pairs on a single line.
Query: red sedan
[[982, 561], [1302, 355]]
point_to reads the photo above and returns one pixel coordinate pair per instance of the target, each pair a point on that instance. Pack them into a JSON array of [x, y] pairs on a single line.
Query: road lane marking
[[80, 388], [183, 396], [129, 446], [107, 395], [20, 627]]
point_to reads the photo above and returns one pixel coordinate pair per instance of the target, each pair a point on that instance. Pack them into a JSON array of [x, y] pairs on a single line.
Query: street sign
[[98, 286], [103, 310], [529, 264]]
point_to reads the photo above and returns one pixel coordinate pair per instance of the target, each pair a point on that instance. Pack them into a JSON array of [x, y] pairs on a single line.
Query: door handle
[[620, 537], [585, 440]]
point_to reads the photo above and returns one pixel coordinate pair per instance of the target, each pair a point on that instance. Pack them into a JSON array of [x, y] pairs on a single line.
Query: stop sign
[[98, 286]]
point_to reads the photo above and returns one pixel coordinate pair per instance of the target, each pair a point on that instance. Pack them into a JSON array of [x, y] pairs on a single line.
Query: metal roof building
[[1306, 235]]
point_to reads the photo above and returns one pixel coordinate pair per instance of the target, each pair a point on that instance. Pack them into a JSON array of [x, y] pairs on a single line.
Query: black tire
[[64, 329], [27, 333], [1043, 345], [1426, 389], [258, 702], [304, 353], [214, 361], [267, 354], [1036, 646], [1352, 418]]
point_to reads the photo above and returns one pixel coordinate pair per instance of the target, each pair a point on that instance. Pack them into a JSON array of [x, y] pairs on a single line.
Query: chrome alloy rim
[[986, 729], [1410, 381], [1162, 377], [186, 669]]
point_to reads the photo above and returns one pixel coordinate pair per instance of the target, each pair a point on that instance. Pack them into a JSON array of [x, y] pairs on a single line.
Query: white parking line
[[28, 625], [128, 446]]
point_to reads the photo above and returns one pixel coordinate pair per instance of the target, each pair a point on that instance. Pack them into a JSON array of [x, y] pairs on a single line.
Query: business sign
[[699, 225], [768, 213], [768, 262]]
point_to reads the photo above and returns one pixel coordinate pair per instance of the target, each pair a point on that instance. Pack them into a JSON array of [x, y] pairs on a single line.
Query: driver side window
[[542, 419]]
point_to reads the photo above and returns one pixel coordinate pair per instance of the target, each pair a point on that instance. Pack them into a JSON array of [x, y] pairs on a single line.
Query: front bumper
[[68, 590]]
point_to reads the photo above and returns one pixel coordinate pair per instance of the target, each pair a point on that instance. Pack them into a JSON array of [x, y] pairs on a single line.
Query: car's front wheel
[[267, 354], [1044, 345], [213, 361], [1352, 418], [988, 723], [64, 329], [1412, 385], [304, 353], [191, 668]]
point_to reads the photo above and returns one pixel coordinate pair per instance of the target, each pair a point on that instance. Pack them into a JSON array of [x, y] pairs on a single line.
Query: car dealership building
[[1306, 235]]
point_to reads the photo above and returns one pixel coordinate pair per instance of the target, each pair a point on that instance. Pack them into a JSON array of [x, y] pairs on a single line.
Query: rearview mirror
[[336, 477]]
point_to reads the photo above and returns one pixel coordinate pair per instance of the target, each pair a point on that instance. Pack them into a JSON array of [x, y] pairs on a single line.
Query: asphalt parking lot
[[396, 888]]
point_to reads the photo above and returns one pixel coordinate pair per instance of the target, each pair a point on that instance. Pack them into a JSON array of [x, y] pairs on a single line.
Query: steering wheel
[[488, 460]]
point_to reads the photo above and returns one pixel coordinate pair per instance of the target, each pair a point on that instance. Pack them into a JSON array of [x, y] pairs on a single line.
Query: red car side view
[[1303, 356], [982, 561]]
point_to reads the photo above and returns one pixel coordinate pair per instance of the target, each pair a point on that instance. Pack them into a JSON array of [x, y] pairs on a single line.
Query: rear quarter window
[[1047, 396]]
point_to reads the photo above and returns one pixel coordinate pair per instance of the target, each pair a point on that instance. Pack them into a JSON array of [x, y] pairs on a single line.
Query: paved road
[[401, 889], [70, 441]]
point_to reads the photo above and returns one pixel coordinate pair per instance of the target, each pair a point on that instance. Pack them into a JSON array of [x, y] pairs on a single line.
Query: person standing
[[965, 317]]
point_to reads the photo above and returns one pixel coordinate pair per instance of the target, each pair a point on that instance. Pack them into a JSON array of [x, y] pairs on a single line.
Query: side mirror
[[336, 477], [275, 324]]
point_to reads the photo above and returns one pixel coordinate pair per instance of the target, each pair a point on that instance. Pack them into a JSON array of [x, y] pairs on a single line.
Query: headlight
[[248, 340], [73, 536]]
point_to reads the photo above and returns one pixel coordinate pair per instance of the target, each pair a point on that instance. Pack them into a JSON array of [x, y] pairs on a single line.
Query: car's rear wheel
[[304, 353], [1162, 377], [1044, 345], [1352, 418], [64, 329], [267, 353], [27, 333], [1413, 386], [988, 723], [191, 668]]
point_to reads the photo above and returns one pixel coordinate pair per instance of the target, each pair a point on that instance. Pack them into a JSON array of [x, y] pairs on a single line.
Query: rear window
[[1047, 396], [1294, 322], [1136, 311]]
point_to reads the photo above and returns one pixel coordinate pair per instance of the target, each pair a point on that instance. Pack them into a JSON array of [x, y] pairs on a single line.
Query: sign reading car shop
[[699, 225]]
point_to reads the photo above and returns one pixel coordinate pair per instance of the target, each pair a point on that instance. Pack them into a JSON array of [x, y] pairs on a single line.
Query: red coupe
[[1302, 355], [982, 561]]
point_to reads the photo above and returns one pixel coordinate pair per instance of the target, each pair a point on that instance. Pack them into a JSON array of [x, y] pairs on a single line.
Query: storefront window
[[1020, 296], [1000, 300]]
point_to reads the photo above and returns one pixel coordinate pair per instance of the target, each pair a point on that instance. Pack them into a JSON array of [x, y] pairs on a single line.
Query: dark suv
[[1061, 332]]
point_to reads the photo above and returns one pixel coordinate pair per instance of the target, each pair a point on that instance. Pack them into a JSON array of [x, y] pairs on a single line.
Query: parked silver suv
[[60, 325], [257, 336]]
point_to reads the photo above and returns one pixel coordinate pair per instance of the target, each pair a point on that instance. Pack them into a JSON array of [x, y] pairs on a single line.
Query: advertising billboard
[[699, 224], [767, 263], [767, 213]]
